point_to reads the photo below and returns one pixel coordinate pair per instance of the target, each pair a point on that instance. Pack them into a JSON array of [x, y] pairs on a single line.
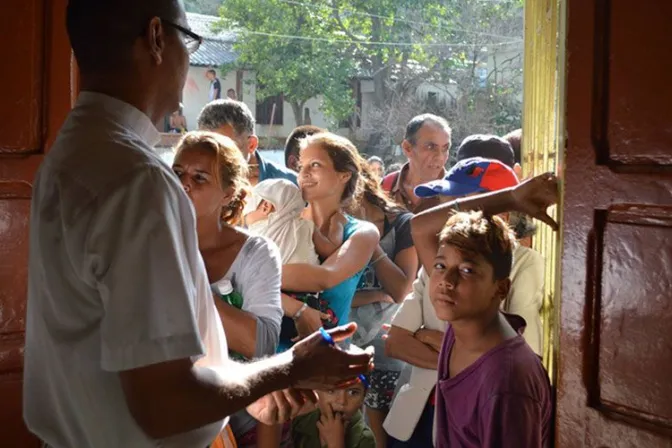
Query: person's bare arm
[[397, 276], [368, 297], [532, 197], [433, 338], [240, 328], [349, 259], [310, 319], [323, 245], [402, 344], [173, 397]]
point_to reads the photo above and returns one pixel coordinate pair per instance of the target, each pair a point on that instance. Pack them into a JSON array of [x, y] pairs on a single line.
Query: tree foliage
[[468, 52], [208, 7], [293, 51]]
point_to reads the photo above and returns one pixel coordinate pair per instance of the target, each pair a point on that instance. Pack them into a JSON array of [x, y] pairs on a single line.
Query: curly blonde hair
[[230, 169]]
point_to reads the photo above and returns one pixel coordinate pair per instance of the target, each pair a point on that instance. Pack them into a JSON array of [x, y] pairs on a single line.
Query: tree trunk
[[297, 109], [380, 72]]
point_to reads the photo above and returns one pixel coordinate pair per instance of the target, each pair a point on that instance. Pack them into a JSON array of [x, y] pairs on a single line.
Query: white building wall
[[197, 88]]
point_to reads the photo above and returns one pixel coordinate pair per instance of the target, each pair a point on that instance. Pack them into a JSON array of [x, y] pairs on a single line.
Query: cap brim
[[445, 188]]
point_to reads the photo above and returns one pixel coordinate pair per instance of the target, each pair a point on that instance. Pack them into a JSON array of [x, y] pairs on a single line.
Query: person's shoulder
[[361, 227], [389, 180], [275, 170], [527, 254], [514, 369], [360, 434], [403, 218], [258, 248]]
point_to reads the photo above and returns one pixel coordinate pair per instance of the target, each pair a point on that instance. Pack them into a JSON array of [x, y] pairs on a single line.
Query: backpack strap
[[389, 181]]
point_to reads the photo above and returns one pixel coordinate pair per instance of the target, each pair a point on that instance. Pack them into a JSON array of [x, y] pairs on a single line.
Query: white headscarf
[[284, 226]]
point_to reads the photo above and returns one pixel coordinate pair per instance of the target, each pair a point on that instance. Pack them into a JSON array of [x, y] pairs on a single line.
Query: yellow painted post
[[543, 137]]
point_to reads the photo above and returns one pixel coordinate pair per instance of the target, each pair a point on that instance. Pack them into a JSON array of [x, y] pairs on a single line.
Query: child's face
[[462, 285], [344, 401], [263, 210]]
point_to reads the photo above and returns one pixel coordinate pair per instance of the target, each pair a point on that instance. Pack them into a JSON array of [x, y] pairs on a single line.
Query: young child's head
[[470, 276], [346, 401], [261, 213], [273, 195]]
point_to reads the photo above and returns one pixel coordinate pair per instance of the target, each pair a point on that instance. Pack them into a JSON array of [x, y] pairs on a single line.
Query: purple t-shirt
[[502, 400]]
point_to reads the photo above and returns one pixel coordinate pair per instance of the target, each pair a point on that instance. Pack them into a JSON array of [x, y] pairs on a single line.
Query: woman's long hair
[[373, 193], [230, 169]]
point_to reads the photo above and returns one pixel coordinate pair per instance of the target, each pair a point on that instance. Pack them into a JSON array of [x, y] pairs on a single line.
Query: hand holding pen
[[319, 364]]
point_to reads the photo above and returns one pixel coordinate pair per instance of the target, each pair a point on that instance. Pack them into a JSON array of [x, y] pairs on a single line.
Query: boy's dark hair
[[299, 133], [212, 71], [479, 234], [515, 139]]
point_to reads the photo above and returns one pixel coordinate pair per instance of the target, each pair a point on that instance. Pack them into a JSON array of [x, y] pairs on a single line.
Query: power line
[[376, 16], [389, 44]]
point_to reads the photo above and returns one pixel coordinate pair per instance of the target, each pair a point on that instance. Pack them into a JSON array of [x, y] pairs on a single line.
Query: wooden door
[[615, 364], [35, 84]]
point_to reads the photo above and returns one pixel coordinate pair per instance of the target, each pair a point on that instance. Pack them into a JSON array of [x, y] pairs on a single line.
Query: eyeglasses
[[191, 40]]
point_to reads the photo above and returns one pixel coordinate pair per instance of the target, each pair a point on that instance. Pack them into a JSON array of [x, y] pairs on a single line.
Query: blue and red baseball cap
[[475, 175]]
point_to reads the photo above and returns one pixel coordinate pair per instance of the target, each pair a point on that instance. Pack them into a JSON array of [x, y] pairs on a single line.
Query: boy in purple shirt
[[492, 390]]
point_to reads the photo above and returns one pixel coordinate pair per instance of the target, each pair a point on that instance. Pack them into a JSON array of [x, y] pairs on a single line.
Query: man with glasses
[[426, 145], [124, 346]]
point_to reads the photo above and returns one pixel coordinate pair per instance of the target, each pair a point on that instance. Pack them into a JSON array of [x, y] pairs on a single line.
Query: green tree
[[209, 7], [293, 51], [469, 51]]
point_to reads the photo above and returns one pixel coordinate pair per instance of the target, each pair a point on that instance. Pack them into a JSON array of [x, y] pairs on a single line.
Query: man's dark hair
[[515, 139], [419, 121], [102, 32], [488, 147], [212, 71], [298, 134]]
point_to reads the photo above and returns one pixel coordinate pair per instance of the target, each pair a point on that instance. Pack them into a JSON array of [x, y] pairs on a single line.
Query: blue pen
[[329, 340]]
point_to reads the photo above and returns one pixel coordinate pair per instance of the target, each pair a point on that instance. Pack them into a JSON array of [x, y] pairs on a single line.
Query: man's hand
[[281, 406], [331, 427], [317, 365], [535, 195]]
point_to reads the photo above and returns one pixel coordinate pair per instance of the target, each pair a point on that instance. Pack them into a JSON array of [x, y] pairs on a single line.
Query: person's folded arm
[[403, 345], [353, 255], [368, 297], [401, 342]]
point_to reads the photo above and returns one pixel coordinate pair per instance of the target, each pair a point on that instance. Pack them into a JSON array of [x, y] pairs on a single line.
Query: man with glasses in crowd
[[124, 346]]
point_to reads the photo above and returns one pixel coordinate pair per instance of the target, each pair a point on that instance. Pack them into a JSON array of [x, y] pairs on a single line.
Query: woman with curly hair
[[244, 269]]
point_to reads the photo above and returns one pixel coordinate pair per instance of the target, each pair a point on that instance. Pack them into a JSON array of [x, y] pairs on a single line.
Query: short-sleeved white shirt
[[115, 282]]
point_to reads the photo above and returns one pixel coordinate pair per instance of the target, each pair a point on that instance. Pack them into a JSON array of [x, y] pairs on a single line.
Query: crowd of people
[[230, 301]]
